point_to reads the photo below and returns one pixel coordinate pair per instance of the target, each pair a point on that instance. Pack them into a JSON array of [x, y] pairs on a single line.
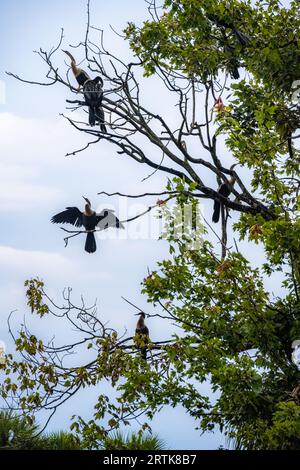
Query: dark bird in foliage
[[225, 190], [241, 37], [88, 219], [93, 94], [233, 62], [80, 75], [142, 335], [234, 72]]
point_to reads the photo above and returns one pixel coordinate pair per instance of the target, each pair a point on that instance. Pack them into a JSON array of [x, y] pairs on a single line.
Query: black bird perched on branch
[[141, 335], [241, 37], [88, 219], [93, 94], [225, 190], [233, 62], [233, 69]]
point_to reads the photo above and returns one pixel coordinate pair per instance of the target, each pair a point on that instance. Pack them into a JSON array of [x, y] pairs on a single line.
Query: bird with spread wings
[[88, 219]]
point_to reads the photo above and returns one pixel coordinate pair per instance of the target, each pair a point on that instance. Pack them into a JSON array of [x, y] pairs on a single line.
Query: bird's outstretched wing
[[72, 215], [107, 219]]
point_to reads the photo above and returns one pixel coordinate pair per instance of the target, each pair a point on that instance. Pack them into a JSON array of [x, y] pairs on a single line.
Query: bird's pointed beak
[[143, 314], [87, 200]]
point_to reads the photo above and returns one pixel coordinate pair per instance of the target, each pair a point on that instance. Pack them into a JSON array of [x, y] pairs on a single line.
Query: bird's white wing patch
[[105, 210]]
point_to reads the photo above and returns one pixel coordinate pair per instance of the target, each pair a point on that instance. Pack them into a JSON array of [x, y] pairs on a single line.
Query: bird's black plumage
[[88, 219], [72, 215], [93, 94], [142, 335], [241, 37], [90, 243], [234, 72], [233, 63], [225, 190]]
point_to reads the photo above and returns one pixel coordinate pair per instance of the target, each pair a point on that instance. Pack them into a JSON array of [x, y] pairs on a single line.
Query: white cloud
[[27, 148], [27, 141], [19, 189], [33, 167], [26, 263], [34, 171]]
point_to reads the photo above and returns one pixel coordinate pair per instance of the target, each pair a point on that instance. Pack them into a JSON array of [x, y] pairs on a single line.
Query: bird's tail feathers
[[216, 213], [100, 118], [235, 73], [144, 353], [90, 243], [92, 116]]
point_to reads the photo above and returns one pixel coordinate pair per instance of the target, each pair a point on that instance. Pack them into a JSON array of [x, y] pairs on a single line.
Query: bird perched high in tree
[[141, 338], [93, 94], [232, 63], [225, 190], [88, 219], [241, 37], [80, 74]]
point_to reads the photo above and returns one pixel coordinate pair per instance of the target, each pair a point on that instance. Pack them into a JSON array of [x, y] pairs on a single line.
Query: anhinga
[[233, 63], [93, 94], [234, 71], [80, 75], [142, 335], [225, 190], [241, 37], [88, 219]]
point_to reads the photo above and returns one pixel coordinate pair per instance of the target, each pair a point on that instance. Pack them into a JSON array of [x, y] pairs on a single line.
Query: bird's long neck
[[227, 186], [140, 323], [74, 67], [88, 210], [232, 181]]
